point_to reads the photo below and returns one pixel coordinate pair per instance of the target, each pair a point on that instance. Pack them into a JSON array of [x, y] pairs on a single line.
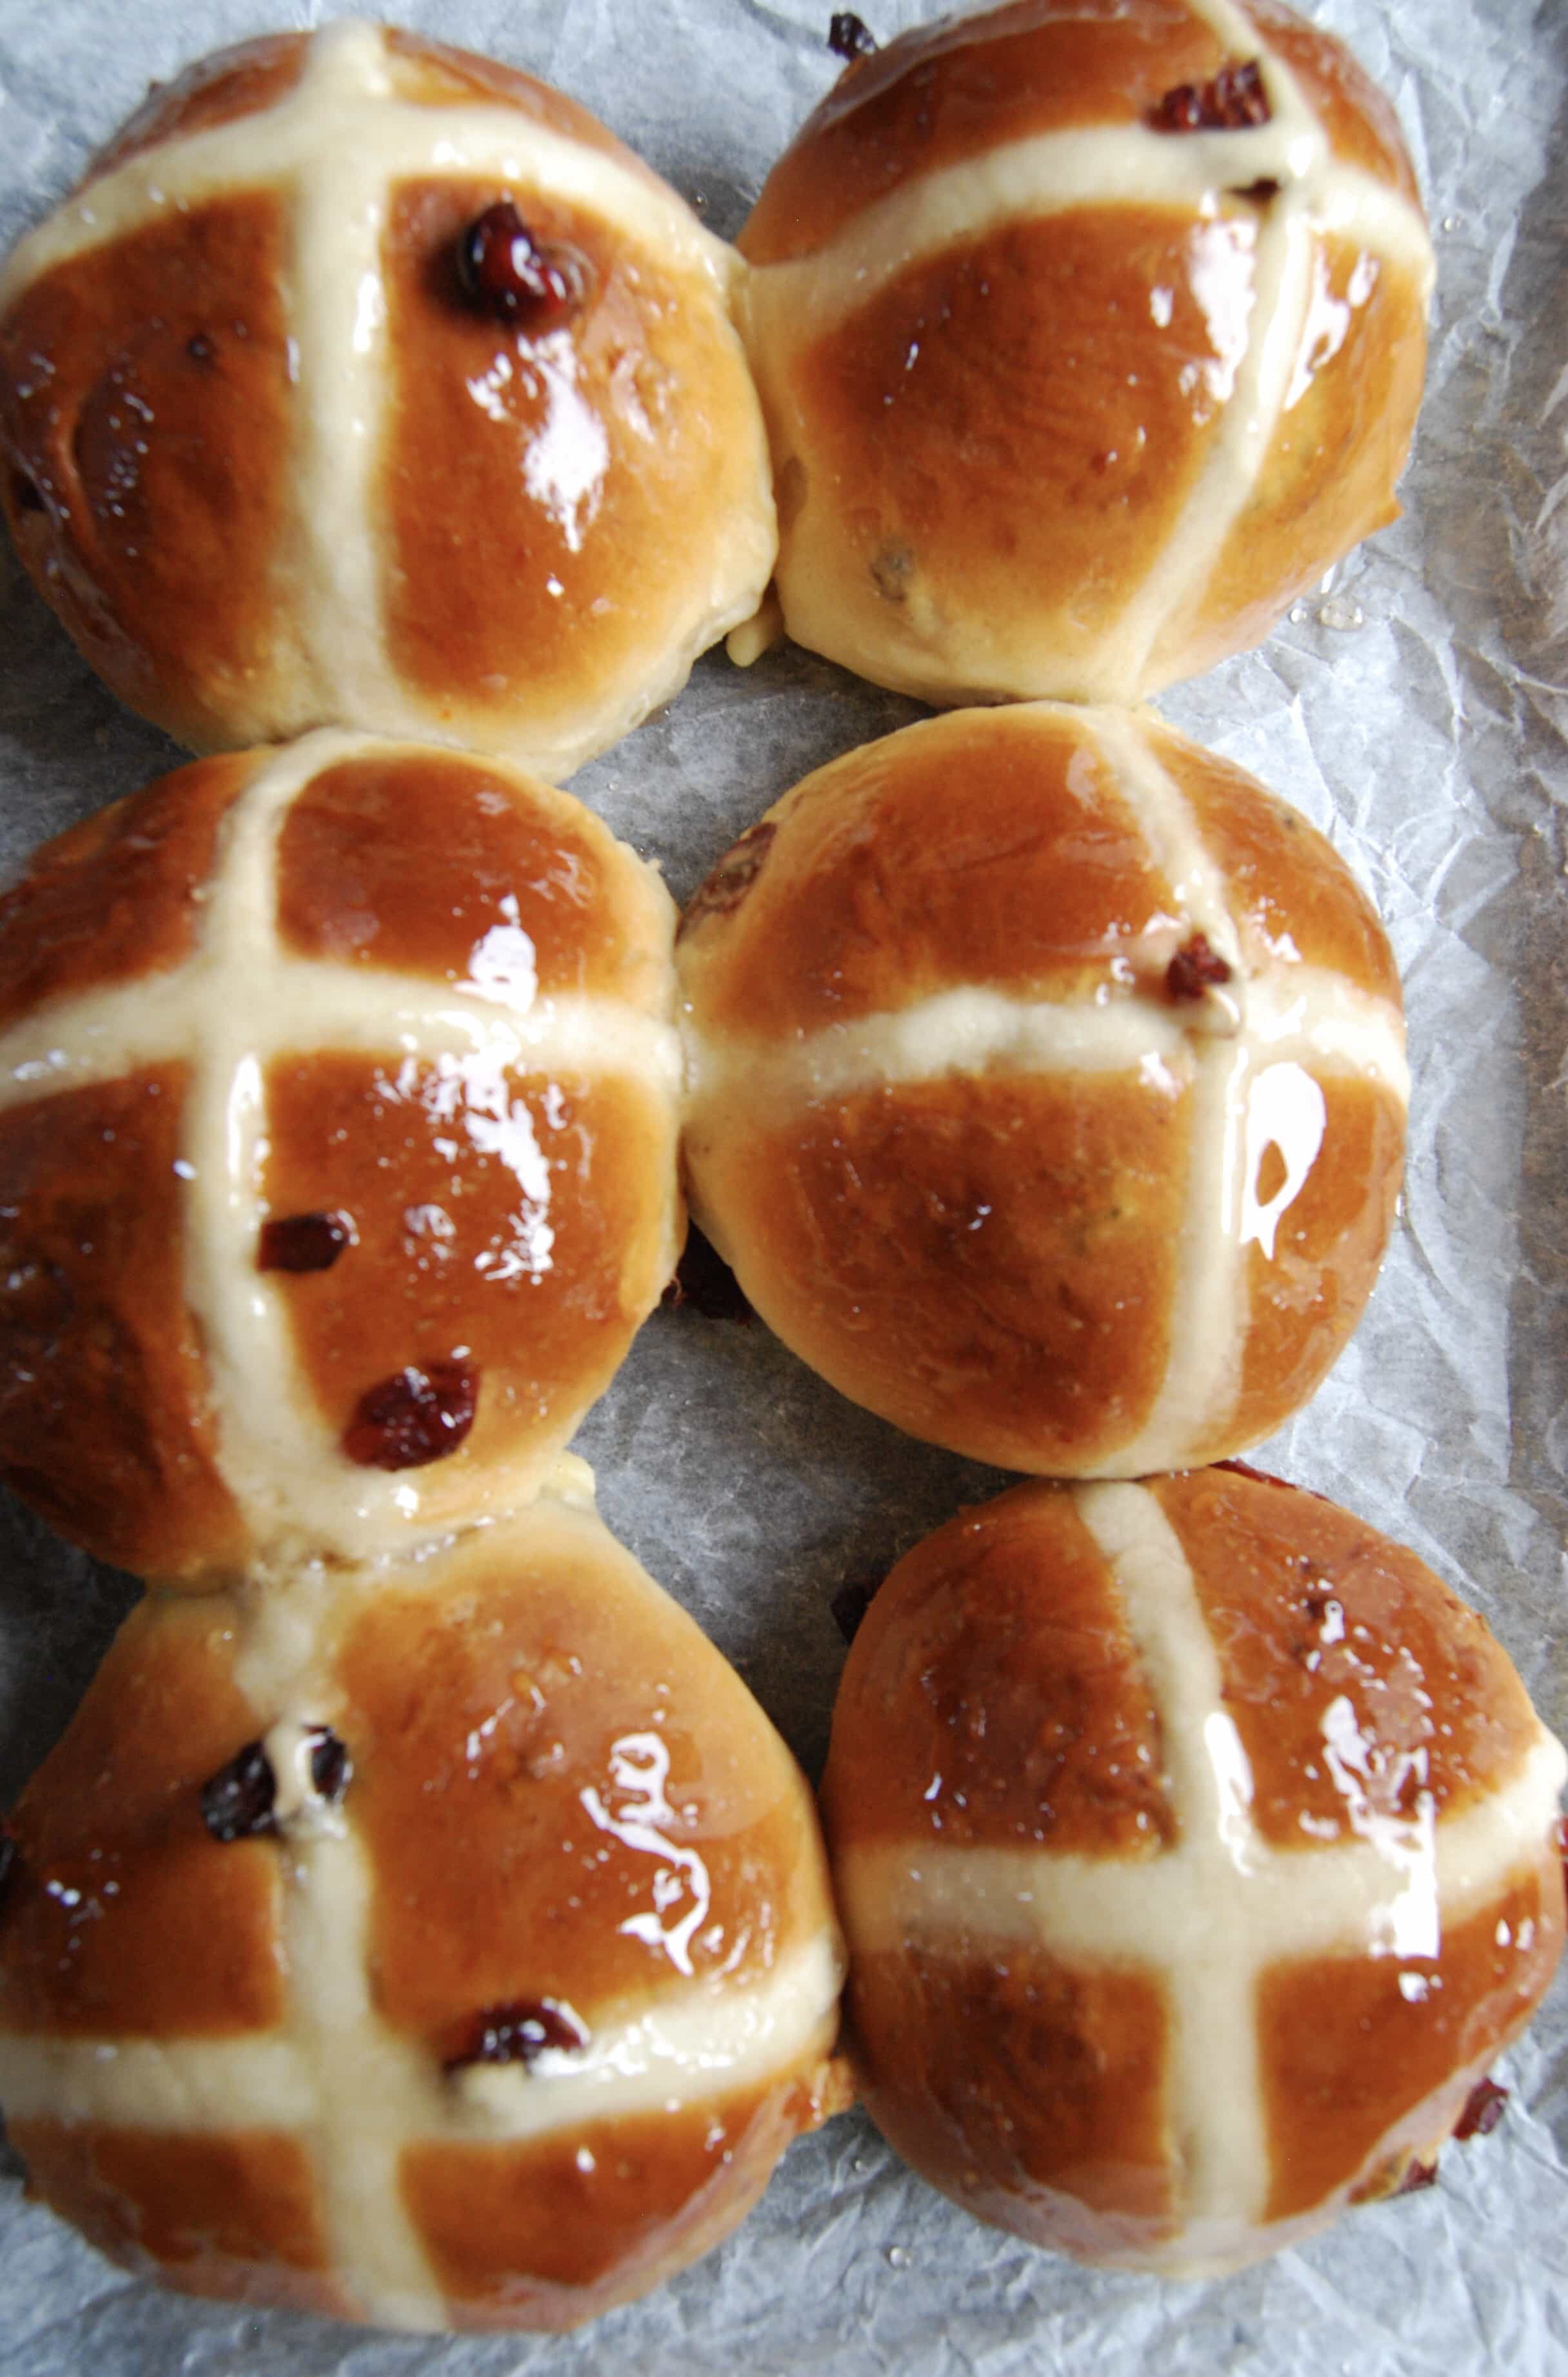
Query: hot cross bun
[[338, 1114], [448, 1944], [1088, 337], [1197, 1853], [1046, 1089], [366, 382]]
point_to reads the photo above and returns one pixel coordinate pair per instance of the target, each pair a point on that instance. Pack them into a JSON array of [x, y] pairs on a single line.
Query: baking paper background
[[1417, 709]]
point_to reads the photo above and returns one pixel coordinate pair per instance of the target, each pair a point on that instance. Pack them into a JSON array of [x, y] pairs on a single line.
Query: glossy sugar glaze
[[1061, 402], [971, 1152], [234, 364], [1197, 1852], [249, 2064], [411, 1005]]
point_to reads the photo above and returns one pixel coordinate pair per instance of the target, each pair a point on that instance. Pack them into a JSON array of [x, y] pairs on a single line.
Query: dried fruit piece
[[1419, 2175], [520, 2032], [414, 1416], [732, 878], [1195, 968], [849, 36], [236, 1802], [1232, 103], [331, 1768], [1483, 2110], [300, 1242], [503, 270]]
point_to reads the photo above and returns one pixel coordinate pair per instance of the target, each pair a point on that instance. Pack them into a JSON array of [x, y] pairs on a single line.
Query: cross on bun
[[445, 1945], [338, 1115], [1088, 337], [431, 1945], [1197, 1853], [366, 382], [1046, 1088]]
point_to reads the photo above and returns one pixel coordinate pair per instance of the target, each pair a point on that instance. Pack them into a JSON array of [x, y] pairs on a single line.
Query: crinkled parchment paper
[[1416, 710]]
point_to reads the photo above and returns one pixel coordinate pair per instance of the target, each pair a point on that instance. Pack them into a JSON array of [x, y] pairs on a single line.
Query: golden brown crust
[[1359, 120], [1328, 476], [233, 2216], [410, 858], [104, 1422], [1060, 2035], [999, 463], [119, 896], [547, 2235], [553, 560], [121, 1917], [512, 1221], [994, 1696], [1288, 888], [436, 73], [552, 1799], [997, 435], [1309, 1607], [219, 89], [953, 91], [995, 849], [158, 550], [1350, 2044], [486, 1716], [991, 1234], [1307, 1289], [1030, 2090], [988, 1261]]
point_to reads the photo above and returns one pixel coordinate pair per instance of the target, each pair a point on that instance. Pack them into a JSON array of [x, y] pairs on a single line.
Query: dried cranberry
[[305, 1241], [1483, 2110], [849, 36], [236, 1802], [414, 1416], [331, 1768], [1235, 100], [851, 1602], [1193, 968], [705, 1281], [1560, 1841], [503, 270], [26, 493], [732, 878], [201, 348], [519, 2034], [1419, 2175]]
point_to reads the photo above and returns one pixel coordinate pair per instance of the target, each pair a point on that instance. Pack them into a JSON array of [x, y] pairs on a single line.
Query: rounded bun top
[[1046, 1088], [336, 1137], [1197, 1851], [381, 387], [950, 93], [1088, 337], [480, 1874]]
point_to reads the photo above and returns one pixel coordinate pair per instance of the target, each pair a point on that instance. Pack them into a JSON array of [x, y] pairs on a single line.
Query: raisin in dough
[[276, 468], [1046, 1089], [338, 1117], [1197, 1851], [1065, 400]]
